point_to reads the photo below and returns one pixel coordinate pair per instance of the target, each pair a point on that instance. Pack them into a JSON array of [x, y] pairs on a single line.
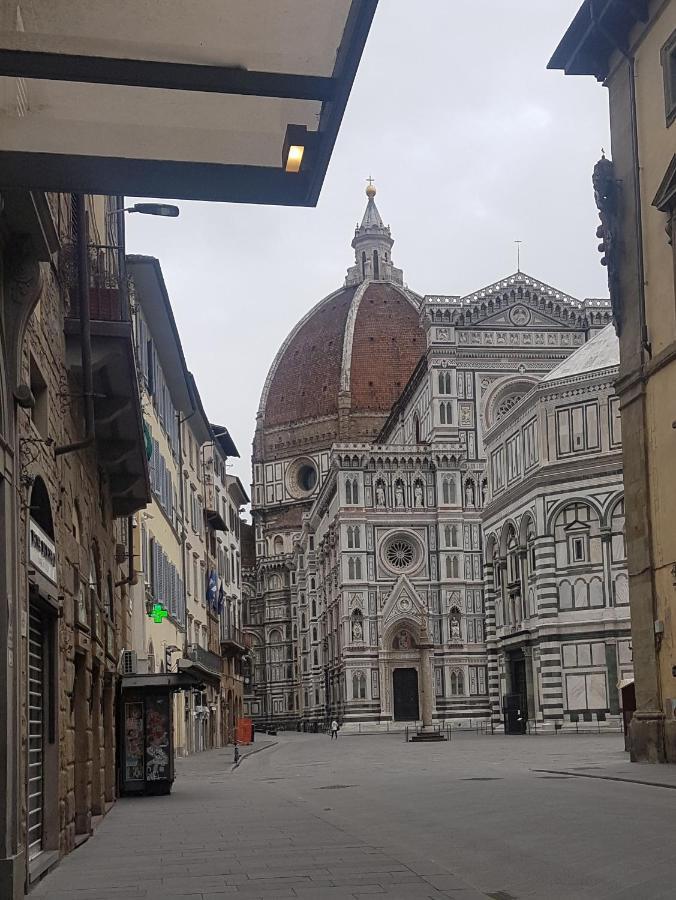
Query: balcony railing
[[107, 283], [204, 658], [234, 637]]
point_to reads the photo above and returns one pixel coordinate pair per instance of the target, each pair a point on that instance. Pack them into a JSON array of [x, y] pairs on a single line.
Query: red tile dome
[[342, 367]]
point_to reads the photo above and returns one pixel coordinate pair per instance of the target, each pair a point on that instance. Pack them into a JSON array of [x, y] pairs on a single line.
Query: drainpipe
[[131, 577], [85, 331]]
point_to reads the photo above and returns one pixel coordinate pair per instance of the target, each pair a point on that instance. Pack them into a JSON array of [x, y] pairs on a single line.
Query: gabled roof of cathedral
[[481, 306], [601, 352]]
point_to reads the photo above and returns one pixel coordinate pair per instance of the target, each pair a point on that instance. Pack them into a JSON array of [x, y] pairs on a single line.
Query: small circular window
[[400, 553], [307, 477], [301, 477]]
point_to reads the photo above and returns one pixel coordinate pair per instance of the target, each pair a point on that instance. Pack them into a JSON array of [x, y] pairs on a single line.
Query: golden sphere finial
[[370, 188]]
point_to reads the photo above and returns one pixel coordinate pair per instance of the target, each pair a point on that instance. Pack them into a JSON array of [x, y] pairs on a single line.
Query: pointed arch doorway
[[405, 694]]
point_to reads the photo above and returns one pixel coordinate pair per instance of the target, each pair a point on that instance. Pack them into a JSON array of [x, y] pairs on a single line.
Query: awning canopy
[[176, 99]]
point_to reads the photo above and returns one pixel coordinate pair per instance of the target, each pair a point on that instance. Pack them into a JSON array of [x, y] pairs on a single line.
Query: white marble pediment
[[403, 603]]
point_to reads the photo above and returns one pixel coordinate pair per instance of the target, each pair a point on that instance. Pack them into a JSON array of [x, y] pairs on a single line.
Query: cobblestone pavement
[[481, 816]]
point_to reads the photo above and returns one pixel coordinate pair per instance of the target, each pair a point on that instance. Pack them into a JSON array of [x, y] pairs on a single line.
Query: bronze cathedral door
[[405, 692]]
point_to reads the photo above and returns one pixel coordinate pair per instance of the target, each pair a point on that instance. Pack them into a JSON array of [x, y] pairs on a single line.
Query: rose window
[[400, 553]]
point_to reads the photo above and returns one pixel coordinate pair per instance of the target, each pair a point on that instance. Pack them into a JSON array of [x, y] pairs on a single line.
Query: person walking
[[334, 730]]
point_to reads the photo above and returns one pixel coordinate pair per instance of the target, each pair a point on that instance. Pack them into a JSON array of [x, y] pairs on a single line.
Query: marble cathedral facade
[[370, 598]]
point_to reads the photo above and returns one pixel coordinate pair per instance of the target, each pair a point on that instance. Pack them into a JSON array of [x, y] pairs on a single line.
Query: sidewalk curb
[[251, 753], [660, 784]]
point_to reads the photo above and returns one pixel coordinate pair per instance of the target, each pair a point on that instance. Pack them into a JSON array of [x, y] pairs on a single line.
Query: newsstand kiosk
[[146, 731]]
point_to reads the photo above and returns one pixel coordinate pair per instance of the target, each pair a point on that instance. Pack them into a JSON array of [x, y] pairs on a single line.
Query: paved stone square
[[482, 816]]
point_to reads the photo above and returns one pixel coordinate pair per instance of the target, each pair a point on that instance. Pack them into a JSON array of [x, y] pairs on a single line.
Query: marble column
[[530, 692], [426, 684]]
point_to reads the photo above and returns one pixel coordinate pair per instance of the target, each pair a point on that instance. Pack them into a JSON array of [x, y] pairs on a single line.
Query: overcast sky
[[472, 144]]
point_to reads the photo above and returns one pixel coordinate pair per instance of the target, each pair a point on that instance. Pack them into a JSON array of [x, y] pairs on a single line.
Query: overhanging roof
[[599, 28], [175, 99], [225, 441]]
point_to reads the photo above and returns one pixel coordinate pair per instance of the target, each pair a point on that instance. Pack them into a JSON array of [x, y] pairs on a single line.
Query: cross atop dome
[[372, 245]]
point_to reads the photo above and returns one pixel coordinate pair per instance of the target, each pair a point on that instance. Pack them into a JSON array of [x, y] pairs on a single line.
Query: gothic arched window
[[359, 686], [446, 490], [348, 491], [447, 533], [357, 539], [355, 491], [376, 265], [350, 568], [454, 536], [363, 265], [357, 568], [442, 413]]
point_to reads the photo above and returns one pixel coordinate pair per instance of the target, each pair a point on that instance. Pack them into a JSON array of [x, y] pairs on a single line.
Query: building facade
[[558, 634], [367, 597], [632, 50], [80, 474], [187, 597]]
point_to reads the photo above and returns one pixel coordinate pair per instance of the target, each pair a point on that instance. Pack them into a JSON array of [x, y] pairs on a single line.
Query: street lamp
[[167, 210]]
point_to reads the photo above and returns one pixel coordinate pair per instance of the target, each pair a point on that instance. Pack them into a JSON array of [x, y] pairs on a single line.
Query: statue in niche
[[380, 494], [469, 495], [399, 495], [357, 630], [455, 630], [418, 495], [402, 641]]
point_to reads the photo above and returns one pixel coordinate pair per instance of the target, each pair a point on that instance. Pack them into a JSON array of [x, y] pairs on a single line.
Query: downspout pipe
[[131, 577], [85, 330]]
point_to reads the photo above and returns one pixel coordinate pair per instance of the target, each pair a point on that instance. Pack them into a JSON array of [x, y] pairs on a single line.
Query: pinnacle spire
[[372, 245]]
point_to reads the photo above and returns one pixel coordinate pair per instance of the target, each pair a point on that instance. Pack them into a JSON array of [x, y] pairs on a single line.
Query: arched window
[[513, 563], [314, 608], [376, 265], [315, 659], [442, 389], [447, 536], [363, 264], [359, 686], [357, 568], [312, 584], [348, 490], [446, 490], [449, 567], [618, 541], [456, 566], [457, 683], [278, 545], [357, 538], [530, 550], [444, 382], [314, 634], [442, 413], [350, 536], [416, 428], [454, 536], [306, 699], [350, 568], [303, 621]]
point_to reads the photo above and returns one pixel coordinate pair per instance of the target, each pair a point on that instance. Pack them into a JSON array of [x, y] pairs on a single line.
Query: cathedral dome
[[346, 362]]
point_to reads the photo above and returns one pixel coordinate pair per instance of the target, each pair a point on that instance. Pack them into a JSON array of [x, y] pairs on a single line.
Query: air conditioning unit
[[129, 663]]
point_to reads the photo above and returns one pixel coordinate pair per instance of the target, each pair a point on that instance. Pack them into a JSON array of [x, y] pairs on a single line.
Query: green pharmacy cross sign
[[158, 613]]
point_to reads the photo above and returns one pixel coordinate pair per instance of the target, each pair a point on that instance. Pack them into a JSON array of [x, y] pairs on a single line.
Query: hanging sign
[[42, 553]]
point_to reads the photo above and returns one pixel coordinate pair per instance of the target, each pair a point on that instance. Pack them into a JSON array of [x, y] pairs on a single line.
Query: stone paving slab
[[465, 820]]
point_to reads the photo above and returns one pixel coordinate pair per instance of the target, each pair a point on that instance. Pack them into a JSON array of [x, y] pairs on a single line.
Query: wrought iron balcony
[[117, 413], [205, 658], [234, 642]]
